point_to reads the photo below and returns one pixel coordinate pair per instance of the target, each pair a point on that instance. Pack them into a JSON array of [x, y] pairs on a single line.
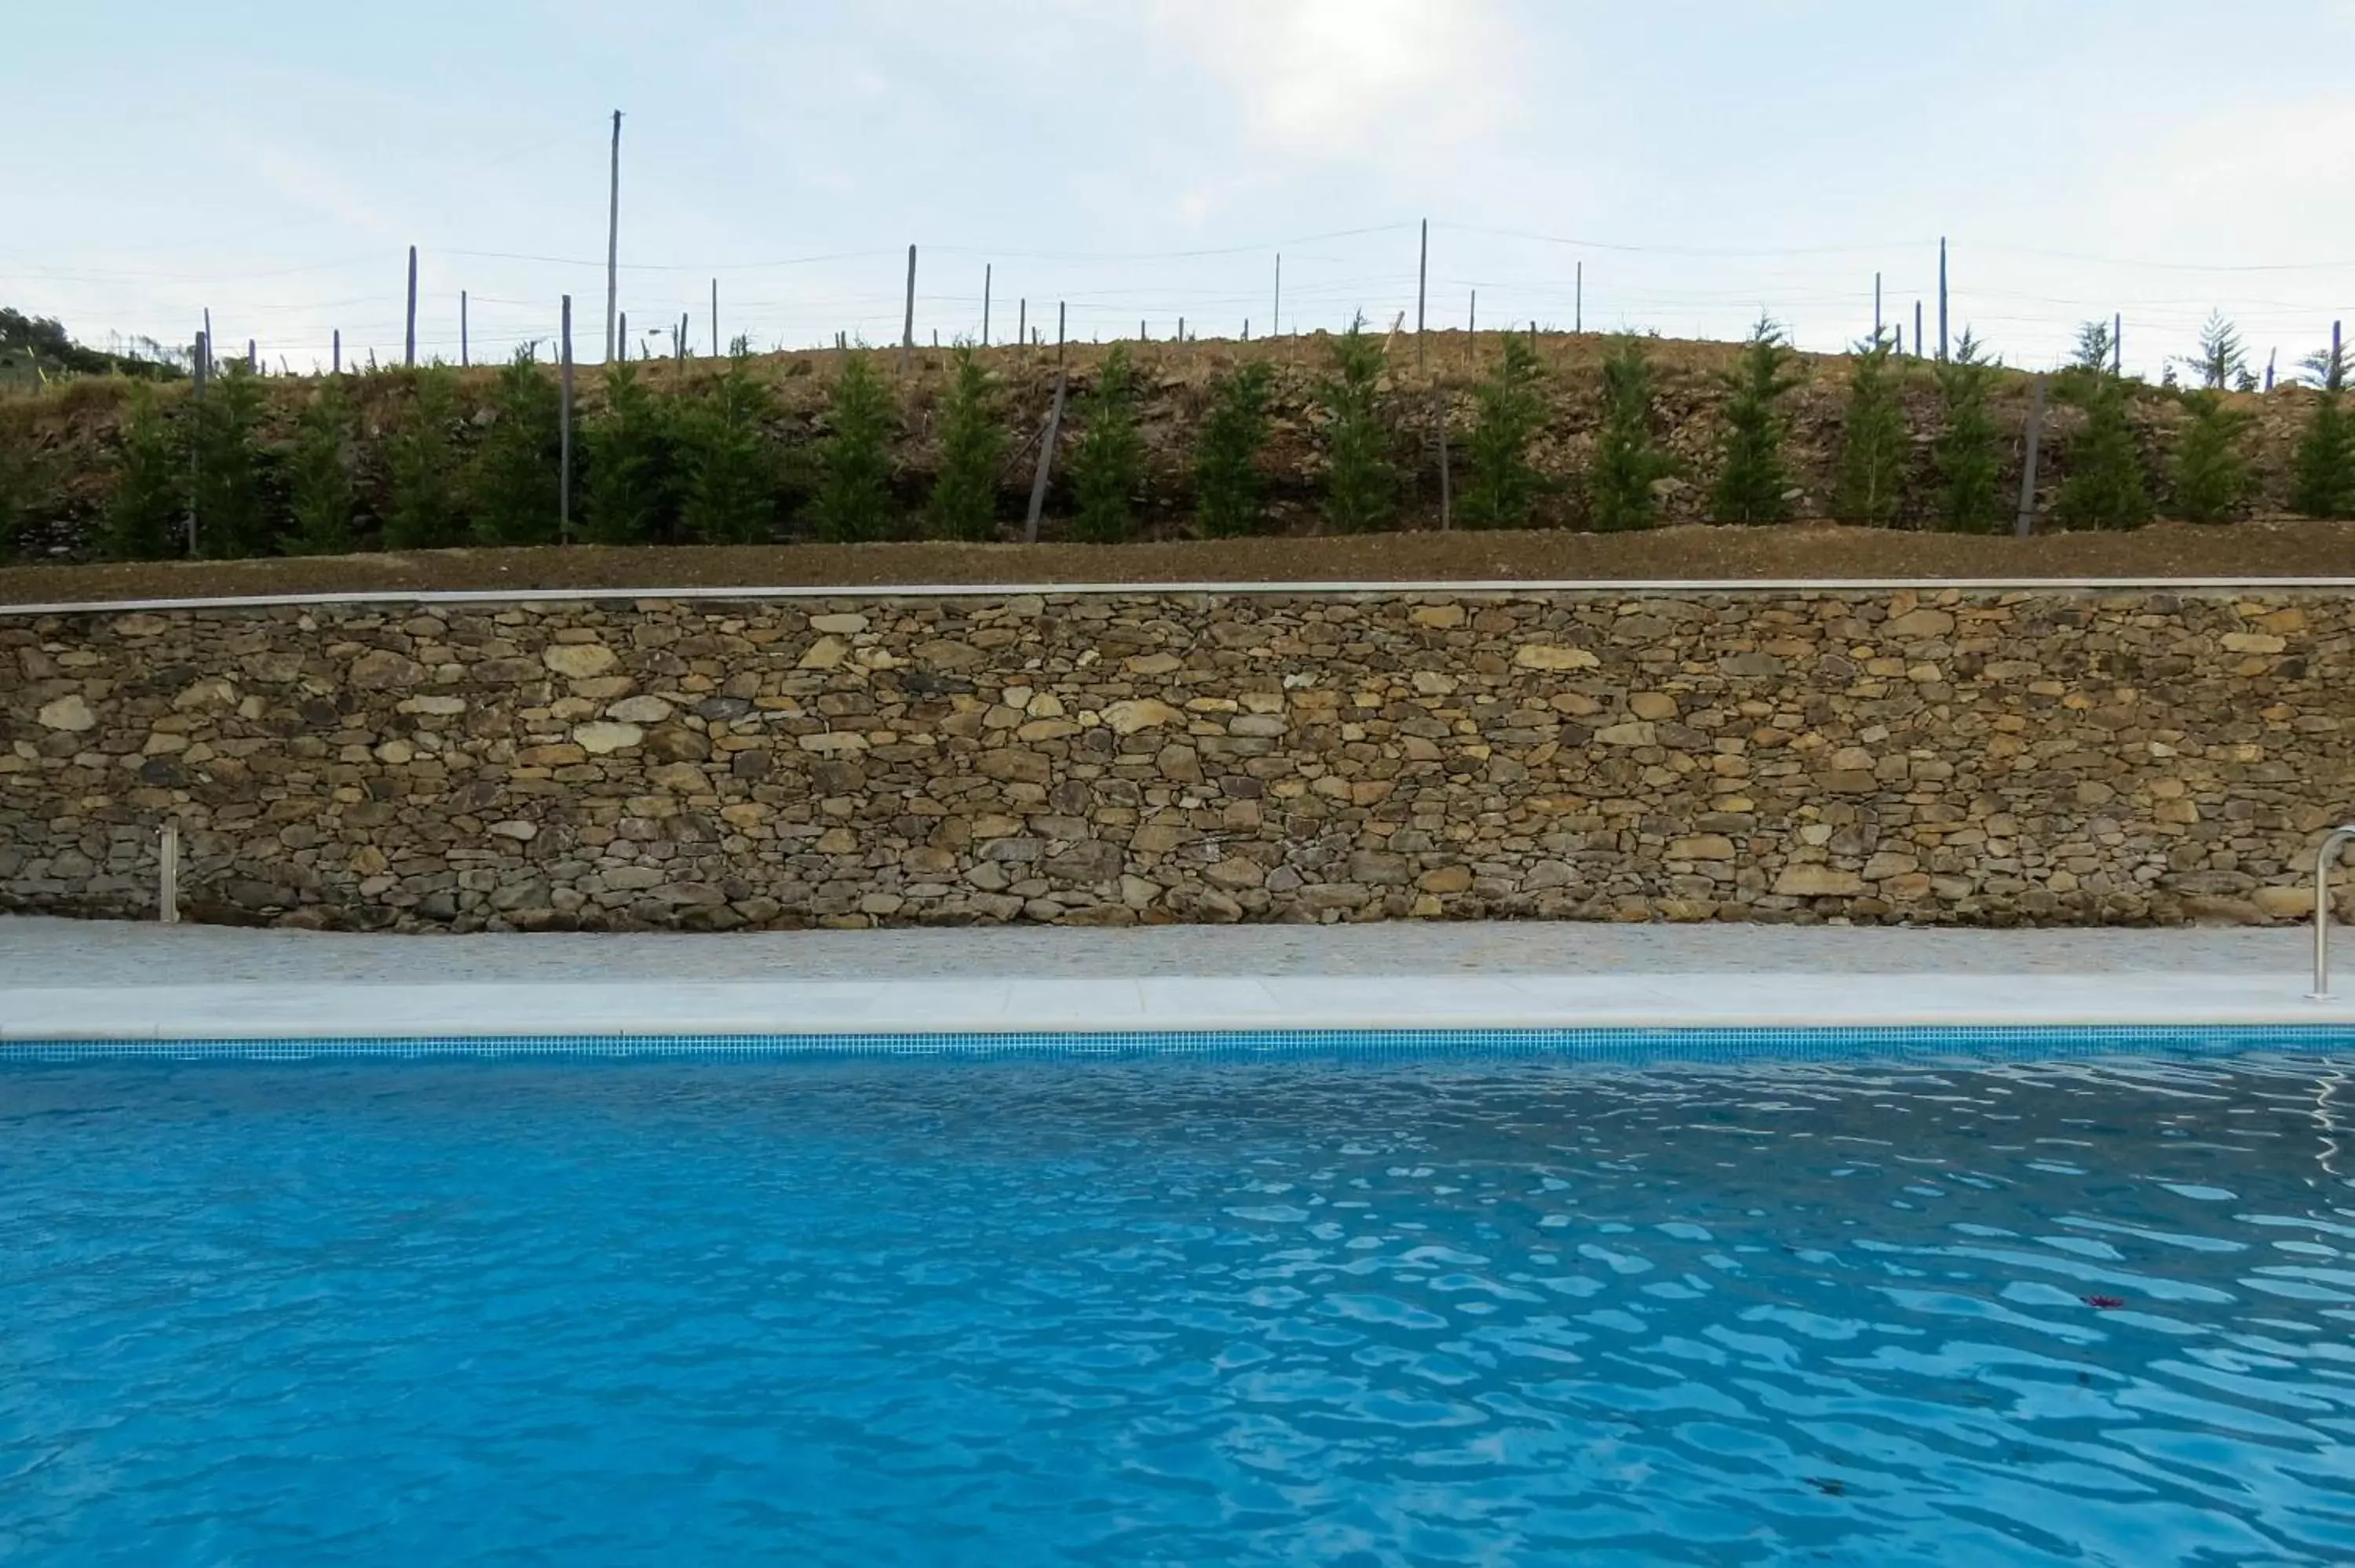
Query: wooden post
[[1060, 317], [2026, 524], [1921, 343], [1022, 323], [1422, 291], [1446, 480], [1876, 310], [465, 356], [2118, 345], [196, 396], [988, 275], [564, 416], [337, 363], [613, 244], [409, 352], [1275, 317], [2272, 359], [1140, 330], [1047, 453], [252, 361], [1901, 340], [681, 338], [1247, 329], [907, 328], [715, 318], [1943, 347], [1471, 321], [1578, 315], [624, 339]]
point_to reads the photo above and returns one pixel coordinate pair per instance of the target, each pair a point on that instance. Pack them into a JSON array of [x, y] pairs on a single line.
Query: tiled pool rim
[[1925, 1045]]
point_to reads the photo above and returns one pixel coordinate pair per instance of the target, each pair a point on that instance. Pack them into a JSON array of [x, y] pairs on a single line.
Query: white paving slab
[[1169, 1003]]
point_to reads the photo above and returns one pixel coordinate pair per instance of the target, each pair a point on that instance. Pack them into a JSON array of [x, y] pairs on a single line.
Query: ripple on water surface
[[896, 1312]]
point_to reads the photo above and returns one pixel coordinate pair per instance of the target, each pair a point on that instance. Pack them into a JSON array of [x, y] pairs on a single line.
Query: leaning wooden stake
[[2026, 522], [1046, 459], [564, 428]]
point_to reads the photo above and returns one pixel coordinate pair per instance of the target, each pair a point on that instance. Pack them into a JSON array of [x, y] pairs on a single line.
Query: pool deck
[[78, 980]]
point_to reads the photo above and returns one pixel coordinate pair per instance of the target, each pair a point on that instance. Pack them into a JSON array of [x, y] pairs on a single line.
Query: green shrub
[[1502, 487], [2323, 471], [1752, 484], [20, 470], [2212, 466], [1872, 439], [973, 454], [2096, 349], [514, 485], [423, 513], [225, 466], [1360, 481], [1628, 462], [1227, 486], [2104, 488], [1108, 460], [628, 491], [319, 476], [854, 494], [1969, 466], [150, 507]]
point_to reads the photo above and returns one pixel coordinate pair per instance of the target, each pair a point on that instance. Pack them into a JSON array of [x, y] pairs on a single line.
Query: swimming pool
[[1427, 1309]]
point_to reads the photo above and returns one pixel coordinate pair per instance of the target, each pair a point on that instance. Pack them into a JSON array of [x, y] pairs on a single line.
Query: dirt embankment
[[2253, 550], [73, 431]]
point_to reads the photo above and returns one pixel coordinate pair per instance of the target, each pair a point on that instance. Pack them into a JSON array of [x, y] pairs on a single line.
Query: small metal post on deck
[[2322, 864], [167, 876]]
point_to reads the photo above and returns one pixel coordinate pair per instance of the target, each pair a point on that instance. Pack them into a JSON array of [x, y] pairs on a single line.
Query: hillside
[[65, 438]]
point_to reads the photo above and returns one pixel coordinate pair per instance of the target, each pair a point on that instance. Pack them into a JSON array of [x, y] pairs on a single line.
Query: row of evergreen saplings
[[702, 469]]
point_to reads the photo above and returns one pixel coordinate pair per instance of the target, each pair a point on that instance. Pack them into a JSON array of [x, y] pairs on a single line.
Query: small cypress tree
[[1360, 483], [2212, 468], [1628, 462], [1752, 482], [854, 494], [627, 494], [725, 459], [1969, 469], [1108, 460], [232, 518], [1502, 489], [973, 454], [319, 476], [519, 468], [1872, 439], [2096, 349], [1227, 486], [2104, 488], [2323, 471], [424, 513], [150, 500], [2222, 362]]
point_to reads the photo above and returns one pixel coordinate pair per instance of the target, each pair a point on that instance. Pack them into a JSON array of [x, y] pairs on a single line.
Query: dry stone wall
[[1954, 757]]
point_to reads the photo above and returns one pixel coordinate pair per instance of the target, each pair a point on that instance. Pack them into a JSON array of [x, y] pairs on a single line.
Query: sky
[[1144, 161]]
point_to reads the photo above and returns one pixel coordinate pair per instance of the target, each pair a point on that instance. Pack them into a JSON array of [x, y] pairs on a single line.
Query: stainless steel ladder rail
[[2338, 838]]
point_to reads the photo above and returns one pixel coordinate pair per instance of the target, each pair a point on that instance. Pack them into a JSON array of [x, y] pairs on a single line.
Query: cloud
[[1347, 78]]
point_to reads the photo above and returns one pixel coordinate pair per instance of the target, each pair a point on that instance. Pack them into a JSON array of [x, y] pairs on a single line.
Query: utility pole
[[988, 274], [1578, 310], [907, 328], [409, 355], [613, 244], [1275, 318], [1422, 291], [1876, 310], [715, 318], [1944, 347], [464, 346]]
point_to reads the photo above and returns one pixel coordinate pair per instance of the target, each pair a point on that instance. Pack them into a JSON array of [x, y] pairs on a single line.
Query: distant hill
[[33, 348]]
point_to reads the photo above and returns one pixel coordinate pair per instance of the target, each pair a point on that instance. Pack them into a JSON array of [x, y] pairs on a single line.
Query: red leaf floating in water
[[2103, 1303]]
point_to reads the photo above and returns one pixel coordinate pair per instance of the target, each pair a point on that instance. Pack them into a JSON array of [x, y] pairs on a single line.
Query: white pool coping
[[1638, 588], [1165, 1003]]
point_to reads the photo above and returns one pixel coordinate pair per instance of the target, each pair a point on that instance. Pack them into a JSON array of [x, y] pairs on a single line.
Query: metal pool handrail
[[2338, 838]]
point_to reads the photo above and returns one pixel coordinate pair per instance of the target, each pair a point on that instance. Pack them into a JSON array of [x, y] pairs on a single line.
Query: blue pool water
[[1161, 1312]]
